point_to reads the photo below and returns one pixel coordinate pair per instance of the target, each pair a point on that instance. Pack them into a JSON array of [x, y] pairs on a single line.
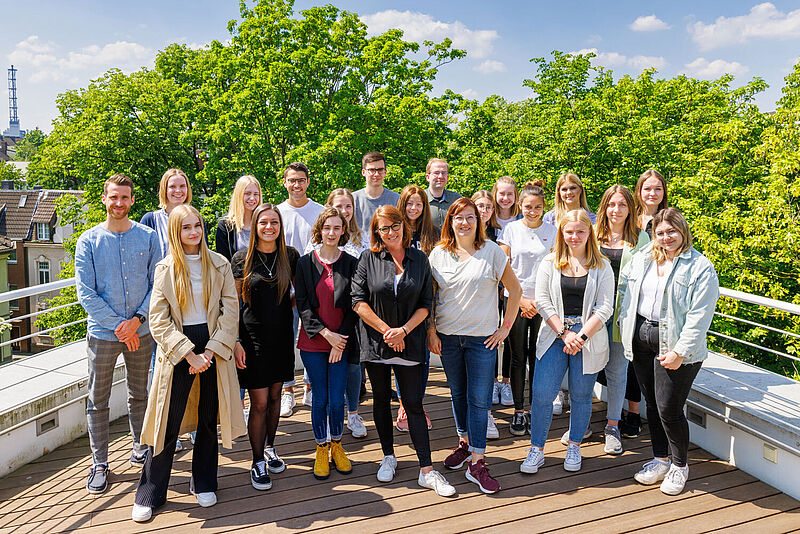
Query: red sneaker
[[479, 474], [459, 455]]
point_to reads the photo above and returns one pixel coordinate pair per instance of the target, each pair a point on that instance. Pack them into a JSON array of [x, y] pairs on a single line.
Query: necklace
[[269, 269]]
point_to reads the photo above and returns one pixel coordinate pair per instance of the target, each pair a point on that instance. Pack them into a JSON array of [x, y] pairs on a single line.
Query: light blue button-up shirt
[[114, 276]]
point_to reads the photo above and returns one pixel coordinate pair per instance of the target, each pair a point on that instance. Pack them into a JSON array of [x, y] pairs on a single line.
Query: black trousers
[[409, 380], [665, 392], [152, 490], [521, 341]]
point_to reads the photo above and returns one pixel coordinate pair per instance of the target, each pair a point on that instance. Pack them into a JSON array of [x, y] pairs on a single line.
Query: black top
[[373, 283], [416, 238], [226, 238], [649, 228], [309, 272], [572, 290], [492, 233], [614, 256]]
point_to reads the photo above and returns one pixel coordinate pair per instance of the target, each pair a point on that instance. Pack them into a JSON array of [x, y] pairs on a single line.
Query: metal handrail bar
[[40, 312], [753, 345], [776, 330], [35, 290], [760, 301], [40, 332]]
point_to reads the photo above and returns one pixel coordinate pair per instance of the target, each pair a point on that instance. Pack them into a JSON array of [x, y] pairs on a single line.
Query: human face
[[570, 193], [177, 190], [332, 231], [391, 233], [191, 234], [251, 197], [652, 193], [465, 223], [576, 234], [438, 176], [669, 238], [506, 196], [617, 210], [413, 207], [344, 205], [374, 172], [118, 200], [532, 207], [485, 209], [268, 226], [296, 184]]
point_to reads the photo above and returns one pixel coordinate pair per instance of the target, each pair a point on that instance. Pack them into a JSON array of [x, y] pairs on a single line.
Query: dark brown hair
[[371, 157], [448, 241], [283, 270], [296, 166], [394, 215]]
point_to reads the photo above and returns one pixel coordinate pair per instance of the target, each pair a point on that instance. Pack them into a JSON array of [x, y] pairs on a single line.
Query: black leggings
[[152, 490], [665, 392], [522, 342], [409, 380]]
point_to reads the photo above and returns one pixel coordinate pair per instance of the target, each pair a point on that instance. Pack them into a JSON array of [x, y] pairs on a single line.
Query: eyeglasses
[[394, 228], [439, 173], [380, 170], [296, 181], [469, 219]]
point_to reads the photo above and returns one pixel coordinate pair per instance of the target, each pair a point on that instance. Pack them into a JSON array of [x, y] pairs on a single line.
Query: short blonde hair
[[162, 187], [435, 160]]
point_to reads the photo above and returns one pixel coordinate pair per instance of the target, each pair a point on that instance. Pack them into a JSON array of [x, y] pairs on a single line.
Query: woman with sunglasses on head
[[264, 274], [668, 293], [392, 293], [467, 270]]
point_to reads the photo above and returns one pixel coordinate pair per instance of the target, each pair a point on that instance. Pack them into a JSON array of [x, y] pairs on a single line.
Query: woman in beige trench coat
[[193, 318]]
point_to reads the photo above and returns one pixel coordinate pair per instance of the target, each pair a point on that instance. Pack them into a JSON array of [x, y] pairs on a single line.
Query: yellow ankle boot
[[340, 460], [322, 465]]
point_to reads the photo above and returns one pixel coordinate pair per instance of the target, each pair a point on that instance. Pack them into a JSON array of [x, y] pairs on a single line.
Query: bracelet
[[562, 332], [404, 330]]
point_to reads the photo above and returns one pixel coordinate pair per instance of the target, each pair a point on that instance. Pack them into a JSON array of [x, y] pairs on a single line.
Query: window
[[43, 231], [12, 258], [43, 268], [22, 200], [13, 304]]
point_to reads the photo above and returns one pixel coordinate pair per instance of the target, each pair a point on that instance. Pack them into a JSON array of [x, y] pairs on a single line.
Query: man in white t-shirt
[[299, 214], [374, 195]]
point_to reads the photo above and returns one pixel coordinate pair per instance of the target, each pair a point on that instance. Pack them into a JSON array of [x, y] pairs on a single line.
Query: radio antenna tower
[[13, 117]]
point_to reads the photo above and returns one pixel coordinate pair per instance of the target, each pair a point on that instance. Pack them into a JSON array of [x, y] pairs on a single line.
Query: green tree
[[29, 145]]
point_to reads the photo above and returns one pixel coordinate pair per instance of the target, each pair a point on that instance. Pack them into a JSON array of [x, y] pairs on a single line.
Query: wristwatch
[[140, 317], [584, 337]]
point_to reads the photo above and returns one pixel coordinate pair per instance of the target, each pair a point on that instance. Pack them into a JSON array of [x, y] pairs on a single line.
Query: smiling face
[[268, 226], [532, 207], [374, 172], [465, 223], [438, 176], [668, 238], [177, 190], [191, 234], [652, 193], [570, 194], [391, 233], [617, 210], [331, 231], [506, 196], [118, 200], [296, 184], [485, 209], [413, 207], [251, 197], [344, 205], [575, 235]]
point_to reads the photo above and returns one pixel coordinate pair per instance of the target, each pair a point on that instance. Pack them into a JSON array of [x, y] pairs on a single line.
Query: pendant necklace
[[269, 270]]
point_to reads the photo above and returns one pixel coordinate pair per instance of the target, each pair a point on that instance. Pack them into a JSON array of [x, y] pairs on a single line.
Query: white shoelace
[[573, 454], [437, 477]]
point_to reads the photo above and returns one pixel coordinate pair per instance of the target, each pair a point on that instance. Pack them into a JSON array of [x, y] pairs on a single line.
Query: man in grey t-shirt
[[374, 195]]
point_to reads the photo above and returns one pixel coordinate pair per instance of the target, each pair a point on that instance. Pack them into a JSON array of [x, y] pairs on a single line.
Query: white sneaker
[[141, 513], [586, 435], [496, 393], [491, 428], [387, 468], [246, 413], [306, 397], [206, 498], [355, 423], [559, 403], [435, 480], [506, 396], [533, 462], [652, 472], [675, 480], [192, 436], [287, 403], [572, 462], [178, 446]]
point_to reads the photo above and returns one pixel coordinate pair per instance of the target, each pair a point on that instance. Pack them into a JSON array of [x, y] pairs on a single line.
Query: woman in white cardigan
[[574, 295]]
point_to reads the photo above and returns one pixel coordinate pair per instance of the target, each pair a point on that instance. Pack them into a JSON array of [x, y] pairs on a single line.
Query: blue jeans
[[547, 377], [616, 378], [470, 369], [327, 393], [353, 391], [424, 369]]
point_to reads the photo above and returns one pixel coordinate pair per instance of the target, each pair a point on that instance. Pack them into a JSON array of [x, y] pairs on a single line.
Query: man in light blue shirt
[[114, 269]]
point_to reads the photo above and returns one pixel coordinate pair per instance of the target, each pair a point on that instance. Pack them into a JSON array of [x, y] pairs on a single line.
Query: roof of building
[[23, 207], [5, 243]]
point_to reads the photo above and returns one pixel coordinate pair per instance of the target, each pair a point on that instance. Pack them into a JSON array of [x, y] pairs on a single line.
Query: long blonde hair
[[630, 229], [560, 205], [674, 218], [352, 227], [515, 206], [183, 285], [594, 258], [162, 187], [236, 209]]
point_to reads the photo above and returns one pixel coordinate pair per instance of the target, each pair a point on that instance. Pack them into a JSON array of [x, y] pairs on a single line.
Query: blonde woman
[[193, 318], [233, 230], [505, 195], [173, 190], [574, 295], [570, 195], [650, 197]]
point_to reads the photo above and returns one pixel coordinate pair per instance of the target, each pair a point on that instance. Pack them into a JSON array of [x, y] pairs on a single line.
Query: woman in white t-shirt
[[526, 241], [466, 271], [504, 196]]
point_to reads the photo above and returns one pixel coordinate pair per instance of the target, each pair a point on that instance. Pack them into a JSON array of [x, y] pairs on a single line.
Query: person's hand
[[399, 346], [132, 342], [671, 360], [394, 335], [127, 329], [572, 342], [526, 308], [197, 362], [434, 343], [335, 356], [499, 335], [210, 355], [336, 341], [239, 357]]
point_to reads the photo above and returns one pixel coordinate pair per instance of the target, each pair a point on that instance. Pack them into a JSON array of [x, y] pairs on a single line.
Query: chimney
[[7, 185], [37, 187]]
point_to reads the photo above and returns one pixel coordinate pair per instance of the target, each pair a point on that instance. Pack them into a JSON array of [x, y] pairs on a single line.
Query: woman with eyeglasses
[[392, 293], [467, 270]]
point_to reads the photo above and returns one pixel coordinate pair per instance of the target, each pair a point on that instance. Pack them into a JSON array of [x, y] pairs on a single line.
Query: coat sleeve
[[303, 282], [223, 338], [359, 289], [604, 301], [350, 316], [222, 241], [703, 302], [542, 297], [165, 332]]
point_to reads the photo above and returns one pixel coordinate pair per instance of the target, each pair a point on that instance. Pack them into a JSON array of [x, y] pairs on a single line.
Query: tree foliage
[[26, 148]]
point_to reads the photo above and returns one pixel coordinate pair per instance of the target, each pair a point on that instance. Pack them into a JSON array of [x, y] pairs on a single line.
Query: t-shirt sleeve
[[237, 264], [499, 261]]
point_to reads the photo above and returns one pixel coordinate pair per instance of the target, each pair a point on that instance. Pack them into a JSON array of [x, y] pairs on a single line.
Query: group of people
[[370, 284]]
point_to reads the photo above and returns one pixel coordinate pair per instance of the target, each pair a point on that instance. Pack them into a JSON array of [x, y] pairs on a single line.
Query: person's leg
[[516, 343], [549, 373], [580, 392], [102, 356], [205, 454], [353, 388], [426, 371], [316, 363], [380, 376], [479, 362], [616, 371], [137, 369], [506, 368], [672, 388], [257, 421], [337, 380], [273, 413], [456, 373], [533, 336], [644, 363], [409, 380]]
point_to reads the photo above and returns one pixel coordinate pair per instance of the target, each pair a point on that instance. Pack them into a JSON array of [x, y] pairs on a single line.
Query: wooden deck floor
[[48, 495]]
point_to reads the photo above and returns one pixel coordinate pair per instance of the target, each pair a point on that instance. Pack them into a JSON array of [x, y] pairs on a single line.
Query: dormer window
[[22, 200], [42, 232]]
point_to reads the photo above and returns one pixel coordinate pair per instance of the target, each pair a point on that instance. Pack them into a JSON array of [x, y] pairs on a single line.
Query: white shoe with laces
[[355, 423], [387, 468], [307, 397], [435, 480], [506, 395], [572, 462], [491, 428], [559, 403], [496, 393], [586, 435], [141, 513], [675, 480], [287, 403], [652, 472], [533, 462]]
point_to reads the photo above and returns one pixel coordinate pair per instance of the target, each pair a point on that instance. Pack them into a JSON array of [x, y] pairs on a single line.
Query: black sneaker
[[98, 479], [259, 476], [363, 393], [274, 462], [530, 422], [631, 425], [519, 424]]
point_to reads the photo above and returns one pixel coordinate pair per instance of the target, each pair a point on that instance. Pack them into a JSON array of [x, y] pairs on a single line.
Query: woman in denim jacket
[[668, 293]]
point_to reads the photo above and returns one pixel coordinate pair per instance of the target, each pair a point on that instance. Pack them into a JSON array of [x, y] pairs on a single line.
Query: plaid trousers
[[102, 359]]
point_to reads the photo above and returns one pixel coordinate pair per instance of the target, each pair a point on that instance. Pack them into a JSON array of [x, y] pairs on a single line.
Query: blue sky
[[60, 45]]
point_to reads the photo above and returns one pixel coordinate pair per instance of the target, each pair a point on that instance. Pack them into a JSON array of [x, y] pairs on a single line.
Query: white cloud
[[490, 66], [650, 23], [702, 68], [471, 94], [420, 27], [615, 59], [764, 21]]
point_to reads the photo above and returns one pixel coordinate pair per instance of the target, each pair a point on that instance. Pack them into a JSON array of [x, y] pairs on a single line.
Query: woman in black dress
[[264, 354]]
